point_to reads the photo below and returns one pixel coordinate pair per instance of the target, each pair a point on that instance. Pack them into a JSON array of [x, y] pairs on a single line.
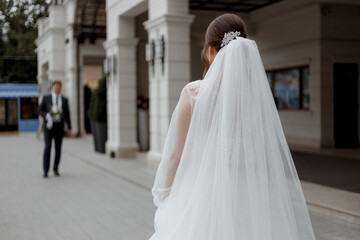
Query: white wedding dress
[[236, 179]]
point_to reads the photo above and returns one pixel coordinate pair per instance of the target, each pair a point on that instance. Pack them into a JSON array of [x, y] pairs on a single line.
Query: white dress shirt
[[54, 99]]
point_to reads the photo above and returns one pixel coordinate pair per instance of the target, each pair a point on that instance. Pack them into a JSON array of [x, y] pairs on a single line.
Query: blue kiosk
[[19, 107]]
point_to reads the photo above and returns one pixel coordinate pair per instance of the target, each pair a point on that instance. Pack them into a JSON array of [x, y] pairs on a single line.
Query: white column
[[43, 83], [121, 93], [70, 86], [168, 19], [57, 55], [50, 48]]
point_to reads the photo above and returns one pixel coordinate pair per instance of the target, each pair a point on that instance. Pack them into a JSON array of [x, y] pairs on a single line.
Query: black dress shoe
[[56, 173], [45, 175]]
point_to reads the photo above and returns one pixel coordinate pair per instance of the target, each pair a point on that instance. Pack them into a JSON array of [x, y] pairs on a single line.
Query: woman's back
[[226, 172]]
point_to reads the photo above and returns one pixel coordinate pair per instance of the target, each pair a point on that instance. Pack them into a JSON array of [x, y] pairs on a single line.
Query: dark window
[[8, 115], [2, 111], [29, 108], [290, 87]]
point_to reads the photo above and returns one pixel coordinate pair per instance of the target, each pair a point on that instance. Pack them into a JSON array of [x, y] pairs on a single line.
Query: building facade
[[310, 50], [69, 55]]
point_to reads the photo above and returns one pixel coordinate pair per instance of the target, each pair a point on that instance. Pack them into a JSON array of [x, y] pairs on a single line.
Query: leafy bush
[[97, 108]]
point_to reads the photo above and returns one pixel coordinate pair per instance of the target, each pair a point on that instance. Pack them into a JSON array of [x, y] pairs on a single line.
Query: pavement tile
[[96, 197]]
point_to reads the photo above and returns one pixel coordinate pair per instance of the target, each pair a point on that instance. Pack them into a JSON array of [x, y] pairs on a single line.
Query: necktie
[[57, 100]]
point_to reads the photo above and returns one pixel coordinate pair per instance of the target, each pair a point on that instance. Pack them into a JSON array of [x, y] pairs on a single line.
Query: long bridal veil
[[236, 179]]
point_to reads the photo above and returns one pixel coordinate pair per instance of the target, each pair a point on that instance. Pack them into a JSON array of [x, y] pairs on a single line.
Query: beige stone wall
[[289, 34], [314, 33], [290, 37], [340, 44]]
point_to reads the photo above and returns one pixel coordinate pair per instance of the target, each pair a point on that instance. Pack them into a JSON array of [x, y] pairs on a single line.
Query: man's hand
[[68, 133], [49, 121]]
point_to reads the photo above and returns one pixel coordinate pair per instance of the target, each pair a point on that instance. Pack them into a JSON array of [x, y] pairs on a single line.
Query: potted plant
[[98, 116]]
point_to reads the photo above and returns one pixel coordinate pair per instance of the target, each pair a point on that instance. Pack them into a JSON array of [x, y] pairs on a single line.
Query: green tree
[[18, 22]]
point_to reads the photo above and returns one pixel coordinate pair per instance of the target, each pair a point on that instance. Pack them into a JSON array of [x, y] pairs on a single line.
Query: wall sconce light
[[159, 48], [109, 65], [150, 54], [106, 67], [160, 52], [113, 64]]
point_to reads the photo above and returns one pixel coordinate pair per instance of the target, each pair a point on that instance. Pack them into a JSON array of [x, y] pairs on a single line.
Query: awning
[[16, 94], [90, 20], [230, 5]]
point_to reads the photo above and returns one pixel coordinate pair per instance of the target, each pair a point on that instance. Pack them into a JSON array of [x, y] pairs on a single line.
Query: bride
[[226, 171]]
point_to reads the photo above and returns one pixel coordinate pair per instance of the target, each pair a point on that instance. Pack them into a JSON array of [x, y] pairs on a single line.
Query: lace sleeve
[[182, 125], [192, 90]]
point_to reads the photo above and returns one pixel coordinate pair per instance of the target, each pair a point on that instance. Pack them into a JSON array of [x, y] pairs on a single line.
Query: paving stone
[[96, 197]]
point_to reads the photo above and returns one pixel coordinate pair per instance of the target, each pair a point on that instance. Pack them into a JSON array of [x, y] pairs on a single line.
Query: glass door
[[8, 115]]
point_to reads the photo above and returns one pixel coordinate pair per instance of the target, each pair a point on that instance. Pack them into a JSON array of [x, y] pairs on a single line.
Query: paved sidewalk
[[335, 171], [95, 198]]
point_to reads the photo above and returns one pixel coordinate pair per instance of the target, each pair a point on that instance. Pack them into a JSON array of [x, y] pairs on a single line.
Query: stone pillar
[[168, 20], [57, 55], [70, 84], [43, 82], [121, 93], [50, 48]]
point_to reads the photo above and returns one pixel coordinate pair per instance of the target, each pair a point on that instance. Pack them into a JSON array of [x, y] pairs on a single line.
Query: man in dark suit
[[54, 108]]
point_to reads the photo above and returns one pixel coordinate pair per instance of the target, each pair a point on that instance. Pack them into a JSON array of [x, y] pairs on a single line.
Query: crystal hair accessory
[[228, 37]]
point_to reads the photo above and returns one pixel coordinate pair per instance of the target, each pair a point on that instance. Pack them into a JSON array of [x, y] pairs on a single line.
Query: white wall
[[315, 33], [288, 35], [340, 44], [123, 8], [50, 47]]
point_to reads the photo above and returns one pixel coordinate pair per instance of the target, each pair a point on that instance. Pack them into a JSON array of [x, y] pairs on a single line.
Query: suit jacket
[[44, 109]]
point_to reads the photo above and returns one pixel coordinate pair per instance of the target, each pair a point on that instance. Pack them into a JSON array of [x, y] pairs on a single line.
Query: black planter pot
[[143, 129], [93, 132], [99, 130]]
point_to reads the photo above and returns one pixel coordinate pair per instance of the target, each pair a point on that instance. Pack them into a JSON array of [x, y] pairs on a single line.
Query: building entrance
[[346, 105]]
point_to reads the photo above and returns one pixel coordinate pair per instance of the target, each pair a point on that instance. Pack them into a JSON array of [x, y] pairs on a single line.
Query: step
[[333, 202], [353, 153]]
